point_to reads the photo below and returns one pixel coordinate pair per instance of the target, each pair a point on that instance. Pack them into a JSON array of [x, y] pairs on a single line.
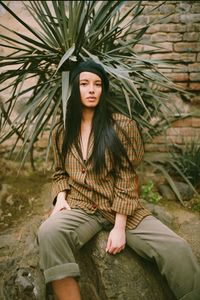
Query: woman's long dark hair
[[105, 137]]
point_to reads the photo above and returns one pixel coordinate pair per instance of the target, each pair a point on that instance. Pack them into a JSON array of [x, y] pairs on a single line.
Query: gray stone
[[164, 216], [124, 276], [160, 212], [184, 189], [166, 192]]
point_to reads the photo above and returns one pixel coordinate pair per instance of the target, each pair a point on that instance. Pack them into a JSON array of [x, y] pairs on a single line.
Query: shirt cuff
[[125, 206], [58, 187]]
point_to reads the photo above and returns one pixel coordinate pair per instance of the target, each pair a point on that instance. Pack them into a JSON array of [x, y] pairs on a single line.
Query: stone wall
[[176, 30]]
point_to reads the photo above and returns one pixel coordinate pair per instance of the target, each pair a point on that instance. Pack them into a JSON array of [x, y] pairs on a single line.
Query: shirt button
[[94, 205], [83, 171]]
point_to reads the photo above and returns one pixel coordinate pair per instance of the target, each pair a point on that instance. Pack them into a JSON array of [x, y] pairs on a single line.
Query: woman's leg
[[153, 240], [59, 236], [66, 289]]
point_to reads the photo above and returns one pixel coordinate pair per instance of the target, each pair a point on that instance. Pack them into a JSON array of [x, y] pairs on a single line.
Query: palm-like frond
[[69, 31]]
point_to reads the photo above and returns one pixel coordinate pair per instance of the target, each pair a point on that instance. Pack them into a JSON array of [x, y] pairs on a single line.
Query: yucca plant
[[186, 161], [182, 163], [70, 31]]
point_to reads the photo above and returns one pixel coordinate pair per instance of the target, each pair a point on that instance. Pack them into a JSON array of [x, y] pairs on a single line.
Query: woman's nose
[[91, 89]]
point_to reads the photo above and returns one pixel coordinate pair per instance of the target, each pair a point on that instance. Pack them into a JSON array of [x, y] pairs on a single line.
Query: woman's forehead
[[89, 76]]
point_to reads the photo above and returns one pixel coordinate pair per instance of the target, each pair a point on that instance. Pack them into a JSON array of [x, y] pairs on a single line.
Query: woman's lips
[[91, 98]]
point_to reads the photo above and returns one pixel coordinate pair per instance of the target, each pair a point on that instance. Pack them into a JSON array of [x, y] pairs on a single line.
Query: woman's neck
[[87, 115]]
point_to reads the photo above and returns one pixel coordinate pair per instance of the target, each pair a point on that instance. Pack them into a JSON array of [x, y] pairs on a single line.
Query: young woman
[[94, 185]]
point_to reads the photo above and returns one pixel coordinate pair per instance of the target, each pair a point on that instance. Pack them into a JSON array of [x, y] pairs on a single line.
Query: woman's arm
[[60, 179], [125, 199]]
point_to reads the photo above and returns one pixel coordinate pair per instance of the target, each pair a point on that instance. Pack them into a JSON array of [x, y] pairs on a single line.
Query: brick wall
[[178, 35], [176, 29]]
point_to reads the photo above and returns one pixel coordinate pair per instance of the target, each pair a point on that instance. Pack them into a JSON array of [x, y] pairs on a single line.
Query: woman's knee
[[181, 246], [52, 232], [47, 230]]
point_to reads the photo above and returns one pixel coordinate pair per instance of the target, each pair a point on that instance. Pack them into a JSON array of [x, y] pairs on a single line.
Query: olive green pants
[[66, 231]]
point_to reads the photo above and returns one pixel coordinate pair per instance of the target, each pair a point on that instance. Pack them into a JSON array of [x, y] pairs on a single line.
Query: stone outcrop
[[124, 276], [103, 277]]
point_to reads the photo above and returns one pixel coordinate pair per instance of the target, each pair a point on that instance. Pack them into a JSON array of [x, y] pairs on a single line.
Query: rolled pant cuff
[[61, 271]]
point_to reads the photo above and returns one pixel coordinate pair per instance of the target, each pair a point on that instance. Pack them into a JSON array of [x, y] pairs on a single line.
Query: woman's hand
[[116, 240], [61, 203], [117, 237]]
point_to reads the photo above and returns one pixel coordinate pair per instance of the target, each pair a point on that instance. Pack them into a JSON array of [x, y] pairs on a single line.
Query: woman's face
[[90, 89]]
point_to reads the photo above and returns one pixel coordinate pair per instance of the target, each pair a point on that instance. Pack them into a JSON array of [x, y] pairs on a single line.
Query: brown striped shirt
[[105, 193]]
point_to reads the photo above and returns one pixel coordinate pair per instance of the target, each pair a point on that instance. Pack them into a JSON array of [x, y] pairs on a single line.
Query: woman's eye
[[83, 83]]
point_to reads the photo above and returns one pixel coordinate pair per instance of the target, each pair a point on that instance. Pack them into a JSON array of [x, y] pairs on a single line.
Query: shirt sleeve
[[60, 178], [125, 199]]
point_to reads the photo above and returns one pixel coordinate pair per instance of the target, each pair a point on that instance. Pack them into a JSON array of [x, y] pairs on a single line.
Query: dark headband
[[91, 66]]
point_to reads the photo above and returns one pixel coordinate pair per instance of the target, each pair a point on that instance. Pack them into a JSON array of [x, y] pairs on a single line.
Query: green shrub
[[149, 194], [186, 161]]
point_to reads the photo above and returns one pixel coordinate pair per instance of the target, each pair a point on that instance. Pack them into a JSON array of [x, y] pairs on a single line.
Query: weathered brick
[[167, 8], [182, 140], [143, 19], [144, 56], [183, 6], [173, 18], [181, 57], [196, 123], [194, 76], [198, 57], [182, 85], [160, 139], [178, 77], [189, 18], [191, 36], [150, 9], [187, 131], [159, 37], [194, 86], [179, 68], [168, 56], [156, 148], [187, 57], [193, 27], [158, 47], [167, 28], [194, 67], [146, 37], [174, 37], [165, 70], [187, 47], [187, 122], [164, 47], [195, 99], [195, 7], [153, 28]]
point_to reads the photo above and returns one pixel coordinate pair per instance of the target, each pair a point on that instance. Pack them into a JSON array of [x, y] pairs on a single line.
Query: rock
[[159, 212], [23, 284], [184, 189], [124, 276], [166, 192]]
